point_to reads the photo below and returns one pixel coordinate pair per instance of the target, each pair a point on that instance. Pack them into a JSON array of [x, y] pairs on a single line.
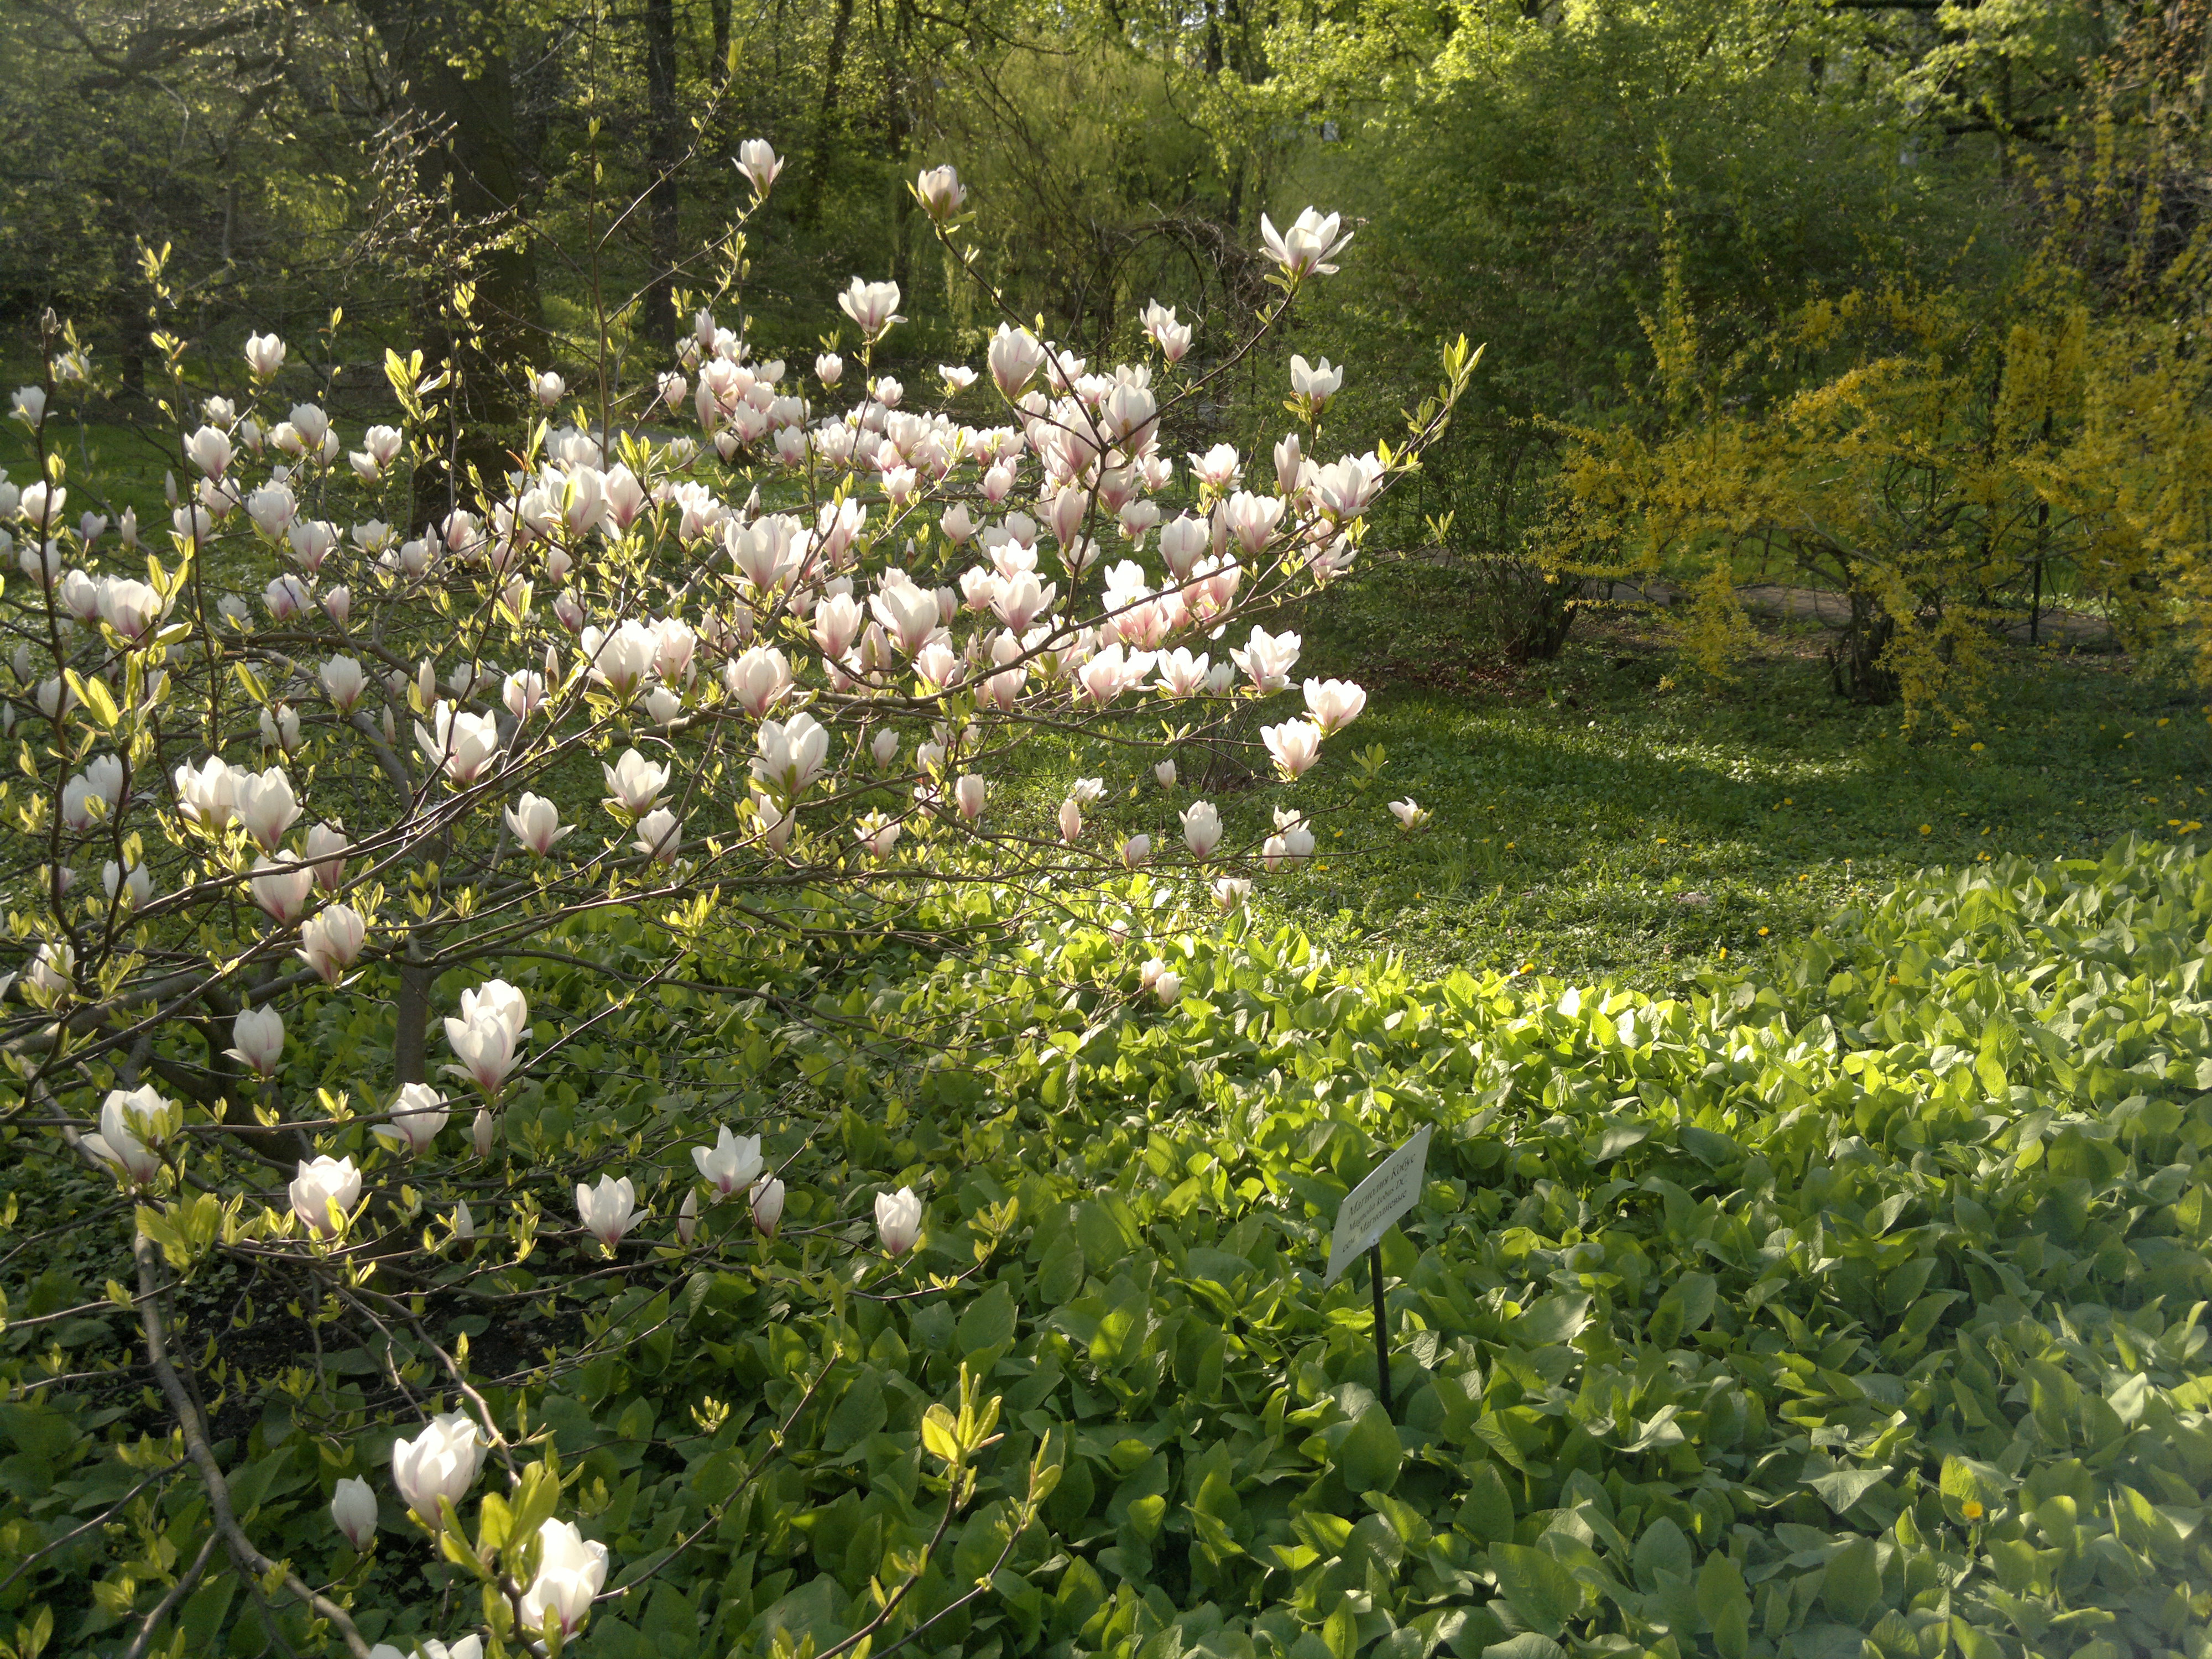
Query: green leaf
[[1486, 1512], [1724, 1604], [1842, 1489], [1851, 1586], [1539, 1590], [1527, 1645], [940, 1434], [1664, 1548], [1370, 1456], [1551, 1321], [988, 1321]]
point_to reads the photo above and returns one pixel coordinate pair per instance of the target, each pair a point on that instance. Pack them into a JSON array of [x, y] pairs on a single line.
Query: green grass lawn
[[1609, 812]]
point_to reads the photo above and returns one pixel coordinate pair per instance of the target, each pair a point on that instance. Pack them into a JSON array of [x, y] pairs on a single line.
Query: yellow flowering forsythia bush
[[1943, 463]]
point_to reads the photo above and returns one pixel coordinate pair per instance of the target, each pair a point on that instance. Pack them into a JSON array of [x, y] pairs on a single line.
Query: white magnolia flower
[[899, 1220], [258, 1038], [608, 1210], [345, 682], [1315, 384], [873, 306], [1295, 745], [791, 754], [634, 784], [332, 941], [417, 1115], [760, 164], [441, 1462], [461, 746], [1268, 659], [659, 836], [1202, 827], [1334, 704], [319, 1185], [483, 1046], [733, 1163], [536, 822], [263, 802], [282, 887], [570, 1571], [1303, 249]]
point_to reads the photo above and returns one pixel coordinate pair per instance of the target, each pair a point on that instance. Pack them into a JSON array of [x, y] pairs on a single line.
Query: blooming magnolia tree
[[774, 670]]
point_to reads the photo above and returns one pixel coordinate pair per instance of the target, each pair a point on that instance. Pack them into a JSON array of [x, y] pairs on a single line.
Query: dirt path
[[2071, 628]]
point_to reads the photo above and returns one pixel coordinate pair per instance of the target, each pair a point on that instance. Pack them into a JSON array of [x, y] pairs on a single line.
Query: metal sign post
[[1392, 1188]]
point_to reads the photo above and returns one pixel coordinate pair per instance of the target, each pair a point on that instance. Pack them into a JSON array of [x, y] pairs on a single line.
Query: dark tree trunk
[[718, 72], [1855, 661], [452, 63], [664, 145], [817, 160], [898, 123]]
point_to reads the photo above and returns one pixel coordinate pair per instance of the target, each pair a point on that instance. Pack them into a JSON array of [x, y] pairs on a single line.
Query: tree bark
[[663, 145], [718, 72], [818, 162], [452, 65]]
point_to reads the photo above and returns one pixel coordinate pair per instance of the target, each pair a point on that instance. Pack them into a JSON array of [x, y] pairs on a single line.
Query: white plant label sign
[[1368, 1209]]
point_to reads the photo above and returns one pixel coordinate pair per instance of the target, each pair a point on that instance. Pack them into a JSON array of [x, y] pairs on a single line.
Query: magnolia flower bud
[[687, 1219], [1136, 851], [1230, 893], [899, 1220], [1164, 774], [1168, 988], [257, 1037], [353, 1507], [483, 1132], [968, 792], [464, 1224], [768, 1206]]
